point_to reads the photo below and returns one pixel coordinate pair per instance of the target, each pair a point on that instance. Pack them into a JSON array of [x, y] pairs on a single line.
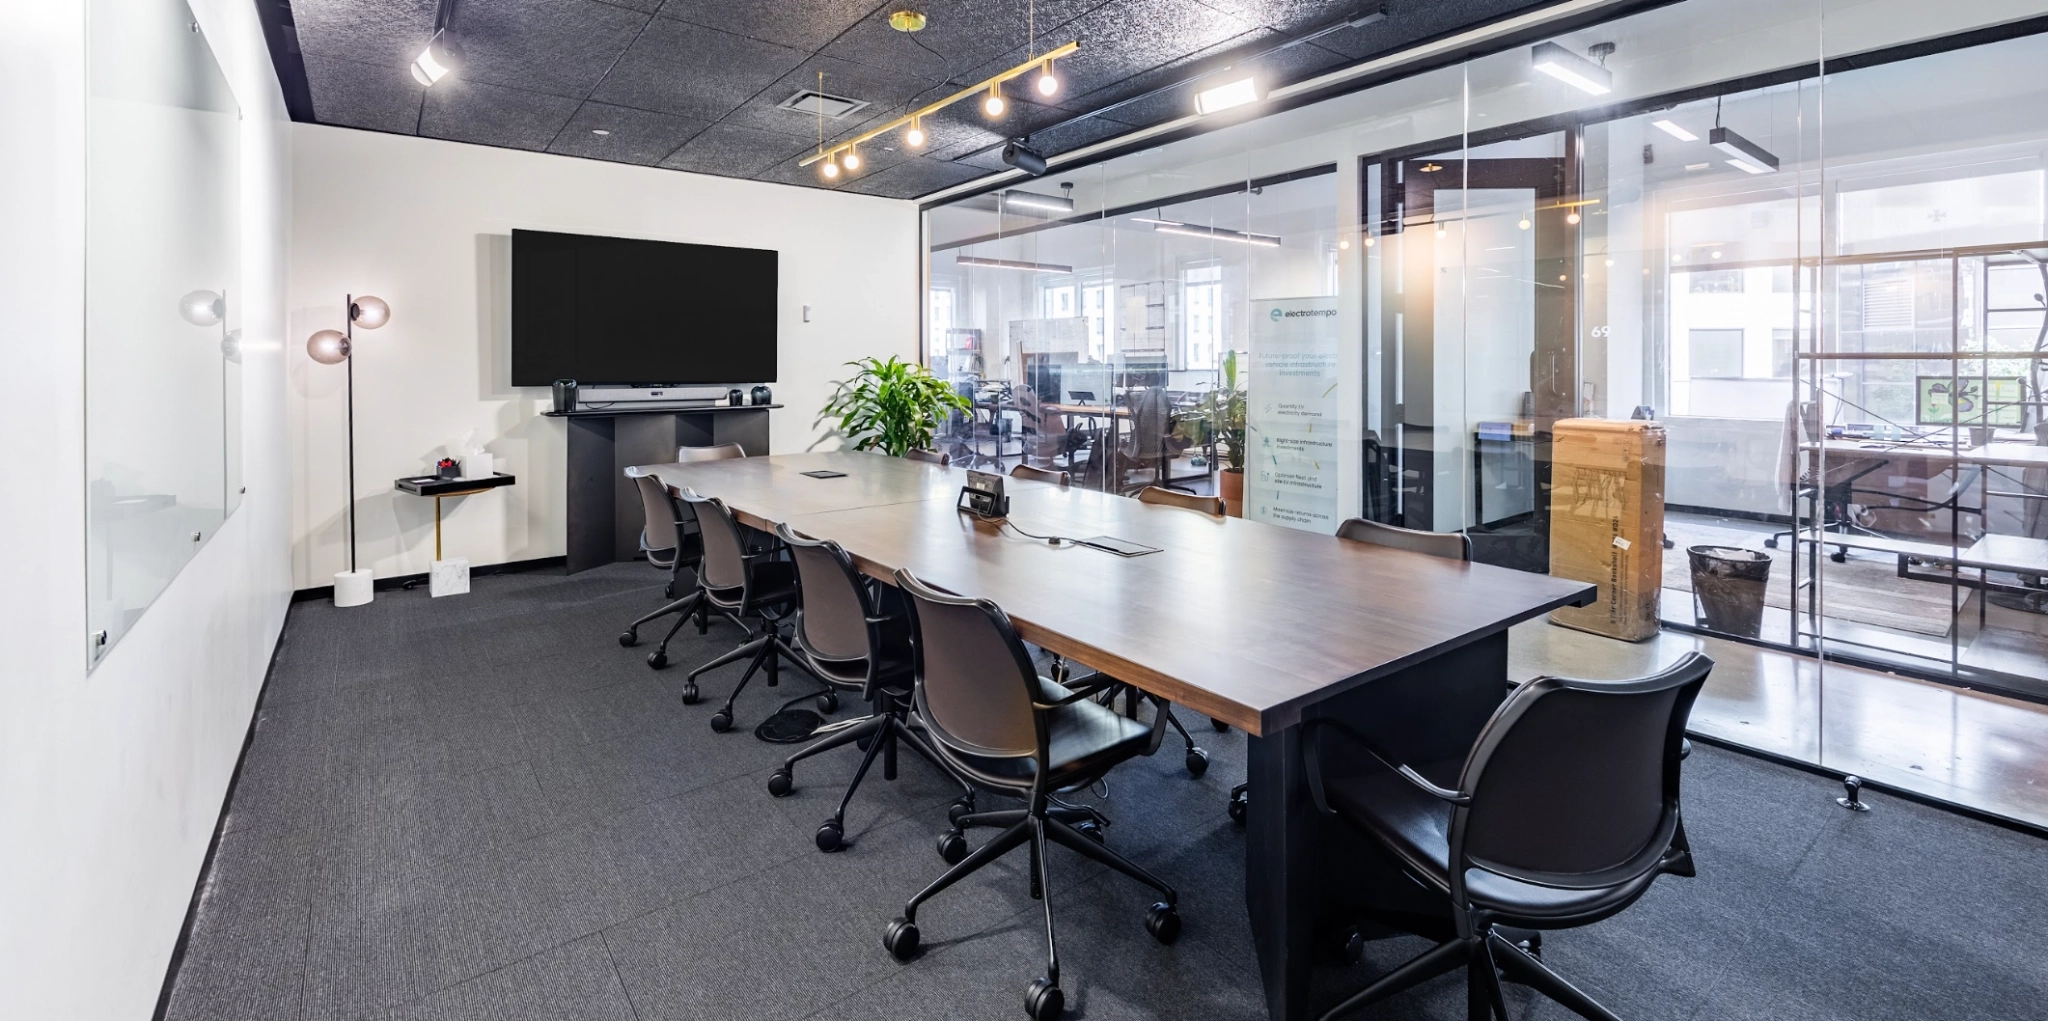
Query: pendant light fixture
[[914, 138], [993, 105], [851, 161], [1047, 83]]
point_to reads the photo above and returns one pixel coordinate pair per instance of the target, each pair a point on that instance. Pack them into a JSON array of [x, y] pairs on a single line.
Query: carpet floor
[[483, 808]]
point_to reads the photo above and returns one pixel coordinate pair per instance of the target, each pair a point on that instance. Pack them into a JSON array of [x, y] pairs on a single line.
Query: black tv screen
[[626, 311]]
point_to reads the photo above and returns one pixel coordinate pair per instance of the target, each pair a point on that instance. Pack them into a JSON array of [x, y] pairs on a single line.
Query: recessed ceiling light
[[1572, 69], [1223, 97], [600, 132], [1672, 129]]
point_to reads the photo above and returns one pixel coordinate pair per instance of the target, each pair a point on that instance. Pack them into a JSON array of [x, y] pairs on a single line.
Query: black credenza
[[604, 516]]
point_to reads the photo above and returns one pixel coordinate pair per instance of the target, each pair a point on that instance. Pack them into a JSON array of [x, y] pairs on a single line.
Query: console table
[[604, 517]]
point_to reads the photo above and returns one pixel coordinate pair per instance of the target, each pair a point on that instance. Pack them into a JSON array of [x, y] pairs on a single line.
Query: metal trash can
[[1728, 588]]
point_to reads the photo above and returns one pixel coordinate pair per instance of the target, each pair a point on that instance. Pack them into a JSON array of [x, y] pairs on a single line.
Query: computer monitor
[[1970, 401]]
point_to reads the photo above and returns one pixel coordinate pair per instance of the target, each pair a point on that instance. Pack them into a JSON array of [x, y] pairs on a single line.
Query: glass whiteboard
[[162, 358]]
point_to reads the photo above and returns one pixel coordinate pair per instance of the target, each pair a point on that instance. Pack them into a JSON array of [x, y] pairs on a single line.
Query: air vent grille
[[810, 102]]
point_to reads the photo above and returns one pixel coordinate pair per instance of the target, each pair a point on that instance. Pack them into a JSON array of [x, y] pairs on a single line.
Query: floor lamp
[[352, 587]]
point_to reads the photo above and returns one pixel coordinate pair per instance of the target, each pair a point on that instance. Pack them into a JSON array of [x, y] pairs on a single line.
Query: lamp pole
[[349, 304]]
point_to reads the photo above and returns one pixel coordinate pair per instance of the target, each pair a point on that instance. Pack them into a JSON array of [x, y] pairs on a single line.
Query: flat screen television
[[625, 311]]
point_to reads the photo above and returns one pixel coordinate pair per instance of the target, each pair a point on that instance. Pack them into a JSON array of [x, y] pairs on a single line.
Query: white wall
[[426, 225], [111, 782]]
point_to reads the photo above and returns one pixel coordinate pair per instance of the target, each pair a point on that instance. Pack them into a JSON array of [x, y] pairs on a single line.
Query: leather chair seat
[[1415, 826], [1084, 738]]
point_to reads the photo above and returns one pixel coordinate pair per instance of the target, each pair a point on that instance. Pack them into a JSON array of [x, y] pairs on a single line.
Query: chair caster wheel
[[657, 659], [1238, 804], [830, 836], [1840, 558], [629, 637], [1771, 543], [1089, 828], [900, 938], [829, 703], [689, 694], [1349, 946], [780, 782], [963, 806], [1218, 726], [1198, 762], [1043, 1000], [953, 846], [721, 721], [1163, 922]]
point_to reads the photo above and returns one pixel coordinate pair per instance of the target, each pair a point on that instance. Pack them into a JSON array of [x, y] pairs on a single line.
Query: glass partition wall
[[1809, 241]]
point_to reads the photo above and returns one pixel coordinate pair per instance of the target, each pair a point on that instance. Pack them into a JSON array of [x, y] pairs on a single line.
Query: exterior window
[[1716, 354]]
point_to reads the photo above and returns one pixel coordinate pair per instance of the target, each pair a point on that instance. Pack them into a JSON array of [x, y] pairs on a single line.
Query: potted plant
[[892, 406], [1225, 408]]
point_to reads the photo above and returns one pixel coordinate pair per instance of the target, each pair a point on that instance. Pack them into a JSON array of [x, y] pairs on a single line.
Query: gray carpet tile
[[484, 808]]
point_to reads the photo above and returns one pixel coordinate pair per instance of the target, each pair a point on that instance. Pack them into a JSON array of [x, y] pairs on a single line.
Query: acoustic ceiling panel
[[695, 84]]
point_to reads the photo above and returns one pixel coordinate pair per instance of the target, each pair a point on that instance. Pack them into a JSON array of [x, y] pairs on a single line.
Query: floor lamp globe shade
[[328, 347], [200, 308], [370, 312]]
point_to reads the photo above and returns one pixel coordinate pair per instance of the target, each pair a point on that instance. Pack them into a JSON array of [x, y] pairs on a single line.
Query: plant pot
[[1230, 485]]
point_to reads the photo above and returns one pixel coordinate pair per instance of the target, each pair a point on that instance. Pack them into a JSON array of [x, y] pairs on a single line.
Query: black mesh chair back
[[833, 625], [1574, 784], [661, 537], [1148, 423], [975, 683], [1448, 545], [724, 567], [716, 452]]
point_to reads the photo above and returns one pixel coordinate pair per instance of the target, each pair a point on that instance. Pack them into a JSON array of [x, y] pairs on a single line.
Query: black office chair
[[747, 578], [1447, 545], [852, 644], [1008, 731], [1564, 813], [670, 540]]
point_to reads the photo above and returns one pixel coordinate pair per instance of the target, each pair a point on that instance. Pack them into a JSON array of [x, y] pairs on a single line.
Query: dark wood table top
[[1246, 622]]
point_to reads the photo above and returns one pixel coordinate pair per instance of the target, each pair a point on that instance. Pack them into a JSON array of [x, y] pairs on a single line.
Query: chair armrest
[[1312, 755], [1088, 692]]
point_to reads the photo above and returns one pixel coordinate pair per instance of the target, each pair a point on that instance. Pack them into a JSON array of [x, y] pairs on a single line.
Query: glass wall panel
[[1805, 243]]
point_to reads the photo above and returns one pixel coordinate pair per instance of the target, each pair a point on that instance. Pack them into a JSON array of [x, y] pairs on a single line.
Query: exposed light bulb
[[1524, 224], [1368, 241], [831, 169], [370, 312], [1047, 84], [994, 104], [914, 138], [1344, 244], [1717, 255], [1571, 218], [851, 159], [201, 308], [328, 347]]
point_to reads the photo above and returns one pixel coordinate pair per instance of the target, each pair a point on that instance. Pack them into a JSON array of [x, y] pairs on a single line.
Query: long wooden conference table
[[1255, 625]]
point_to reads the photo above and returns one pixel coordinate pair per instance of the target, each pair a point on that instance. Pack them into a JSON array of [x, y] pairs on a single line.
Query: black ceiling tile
[[643, 6], [1271, 71], [363, 95], [959, 36], [912, 178], [733, 150], [370, 31], [798, 24], [466, 111], [889, 95], [684, 69], [1410, 21], [1297, 17], [1075, 134], [1130, 37], [1212, 61], [635, 136], [557, 46]]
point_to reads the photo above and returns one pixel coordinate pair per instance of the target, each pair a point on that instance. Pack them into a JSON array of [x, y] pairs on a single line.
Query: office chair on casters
[[853, 645], [1445, 545], [1564, 813], [746, 579], [1008, 731], [670, 540]]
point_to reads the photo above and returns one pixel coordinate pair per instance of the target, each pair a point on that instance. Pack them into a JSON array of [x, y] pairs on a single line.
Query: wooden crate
[[1607, 522]]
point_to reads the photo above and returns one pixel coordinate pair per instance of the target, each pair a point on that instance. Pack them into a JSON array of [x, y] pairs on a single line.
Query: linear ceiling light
[[1028, 267], [1223, 97], [1213, 233], [1033, 200], [915, 118], [1572, 69], [1671, 128], [1743, 154]]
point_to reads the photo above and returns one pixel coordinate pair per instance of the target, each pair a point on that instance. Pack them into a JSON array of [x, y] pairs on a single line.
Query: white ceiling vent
[[810, 101]]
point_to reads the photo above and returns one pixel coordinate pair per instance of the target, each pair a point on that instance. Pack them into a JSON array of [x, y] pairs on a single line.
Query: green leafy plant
[[1225, 409], [892, 406]]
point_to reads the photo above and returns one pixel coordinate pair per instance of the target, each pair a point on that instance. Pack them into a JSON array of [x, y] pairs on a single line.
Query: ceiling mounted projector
[[1023, 159]]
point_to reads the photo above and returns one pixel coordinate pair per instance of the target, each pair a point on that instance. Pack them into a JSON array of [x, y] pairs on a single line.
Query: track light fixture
[[1023, 159], [441, 58]]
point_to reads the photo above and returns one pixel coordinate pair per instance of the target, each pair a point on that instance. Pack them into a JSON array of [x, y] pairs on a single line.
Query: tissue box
[[479, 465]]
